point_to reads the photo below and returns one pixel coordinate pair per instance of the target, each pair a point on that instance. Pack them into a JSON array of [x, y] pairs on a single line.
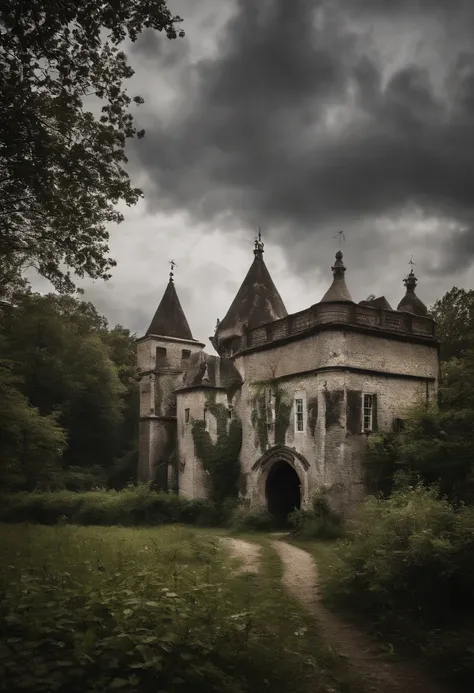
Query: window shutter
[[374, 413], [354, 412]]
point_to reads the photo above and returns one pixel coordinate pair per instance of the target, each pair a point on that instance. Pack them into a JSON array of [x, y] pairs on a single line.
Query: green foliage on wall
[[259, 415], [220, 459], [312, 414]]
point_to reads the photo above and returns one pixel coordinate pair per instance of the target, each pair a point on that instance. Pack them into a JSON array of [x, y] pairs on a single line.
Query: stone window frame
[[300, 417], [187, 415]]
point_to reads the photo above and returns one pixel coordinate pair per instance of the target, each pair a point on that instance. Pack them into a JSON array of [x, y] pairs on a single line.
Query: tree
[[454, 313], [70, 366], [31, 445], [61, 166]]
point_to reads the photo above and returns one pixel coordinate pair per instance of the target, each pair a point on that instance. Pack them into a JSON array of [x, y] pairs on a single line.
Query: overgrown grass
[[149, 610]]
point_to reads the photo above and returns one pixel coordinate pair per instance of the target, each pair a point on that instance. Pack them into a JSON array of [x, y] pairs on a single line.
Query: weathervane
[[173, 265], [410, 262], [340, 235]]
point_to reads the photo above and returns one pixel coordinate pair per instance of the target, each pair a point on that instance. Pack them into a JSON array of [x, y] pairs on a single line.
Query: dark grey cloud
[[298, 122]]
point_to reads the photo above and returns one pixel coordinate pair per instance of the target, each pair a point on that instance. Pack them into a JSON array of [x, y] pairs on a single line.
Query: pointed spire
[[338, 290], [169, 319], [257, 301], [410, 303]]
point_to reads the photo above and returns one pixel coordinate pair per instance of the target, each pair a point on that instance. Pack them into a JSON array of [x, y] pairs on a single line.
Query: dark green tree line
[[71, 374]]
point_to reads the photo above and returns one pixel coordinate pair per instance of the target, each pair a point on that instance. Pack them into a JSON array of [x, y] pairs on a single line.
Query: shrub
[[256, 519], [408, 560], [320, 522], [135, 505]]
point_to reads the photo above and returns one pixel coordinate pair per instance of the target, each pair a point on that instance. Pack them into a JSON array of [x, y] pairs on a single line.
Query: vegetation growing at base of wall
[[220, 460], [260, 415], [318, 522], [407, 566], [130, 507]]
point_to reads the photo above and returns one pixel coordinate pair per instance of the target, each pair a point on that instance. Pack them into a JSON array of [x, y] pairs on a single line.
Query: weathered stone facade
[[306, 390]]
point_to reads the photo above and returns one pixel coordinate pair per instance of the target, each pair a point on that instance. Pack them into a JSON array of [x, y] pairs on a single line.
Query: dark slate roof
[[257, 301], [410, 303], [169, 319], [206, 370], [380, 302], [338, 290]]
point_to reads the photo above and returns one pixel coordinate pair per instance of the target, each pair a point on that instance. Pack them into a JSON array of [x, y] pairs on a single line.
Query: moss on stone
[[259, 416], [312, 414], [220, 459]]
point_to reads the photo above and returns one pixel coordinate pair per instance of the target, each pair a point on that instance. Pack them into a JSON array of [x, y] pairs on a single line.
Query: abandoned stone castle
[[286, 407]]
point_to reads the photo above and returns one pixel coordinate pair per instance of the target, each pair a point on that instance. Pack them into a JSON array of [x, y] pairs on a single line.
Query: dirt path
[[248, 554], [380, 675]]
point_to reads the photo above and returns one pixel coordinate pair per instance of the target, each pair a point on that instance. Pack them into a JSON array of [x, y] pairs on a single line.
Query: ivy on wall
[[259, 415], [220, 459]]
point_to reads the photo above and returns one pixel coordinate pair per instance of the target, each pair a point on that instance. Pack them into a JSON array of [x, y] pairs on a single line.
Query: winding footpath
[[372, 667]]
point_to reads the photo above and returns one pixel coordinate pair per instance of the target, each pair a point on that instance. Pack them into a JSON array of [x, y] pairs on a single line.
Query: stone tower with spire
[[163, 355], [305, 390]]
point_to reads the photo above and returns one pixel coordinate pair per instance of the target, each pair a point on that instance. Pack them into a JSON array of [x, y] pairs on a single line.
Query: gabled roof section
[[257, 301], [169, 319], [380, 302], [338, 290], [207, 370]]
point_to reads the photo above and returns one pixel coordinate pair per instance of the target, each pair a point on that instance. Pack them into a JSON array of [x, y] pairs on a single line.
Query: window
[[160, 356], [270, 407], [368, 413], [186, 416], [230, 409], [299, 414], [185, 354]]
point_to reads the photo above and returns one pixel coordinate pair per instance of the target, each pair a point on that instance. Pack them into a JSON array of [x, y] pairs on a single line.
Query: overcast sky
[[304, 117]]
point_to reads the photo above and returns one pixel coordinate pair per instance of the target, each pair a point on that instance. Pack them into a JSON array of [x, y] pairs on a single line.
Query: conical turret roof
[[169, 319], [338, 290], [257, 301], [410, 303]]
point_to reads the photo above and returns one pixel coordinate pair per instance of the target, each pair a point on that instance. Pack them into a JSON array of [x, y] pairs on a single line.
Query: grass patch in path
[[87, 609]]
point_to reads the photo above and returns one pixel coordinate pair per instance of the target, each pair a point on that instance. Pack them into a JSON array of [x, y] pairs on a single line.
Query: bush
[[135, 505], [408, 564], [256, 519], [320, 522]]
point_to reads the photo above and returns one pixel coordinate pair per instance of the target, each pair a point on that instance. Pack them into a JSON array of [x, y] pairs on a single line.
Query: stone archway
[[282, 481], [282, 491]]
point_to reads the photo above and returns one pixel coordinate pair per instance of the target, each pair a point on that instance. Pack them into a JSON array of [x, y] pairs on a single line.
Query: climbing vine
[[220, 459], [259, 416]]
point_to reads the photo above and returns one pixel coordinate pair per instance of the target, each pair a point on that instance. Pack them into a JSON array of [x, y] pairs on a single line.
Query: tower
[[162, 354], [256, 303]]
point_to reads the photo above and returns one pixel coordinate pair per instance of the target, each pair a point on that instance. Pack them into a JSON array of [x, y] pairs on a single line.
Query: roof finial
[[338, 268], [411, 281], [173, 265], [258, 245]]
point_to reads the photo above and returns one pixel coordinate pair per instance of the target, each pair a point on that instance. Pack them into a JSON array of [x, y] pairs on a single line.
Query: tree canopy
[[69, 390], [64, 121]]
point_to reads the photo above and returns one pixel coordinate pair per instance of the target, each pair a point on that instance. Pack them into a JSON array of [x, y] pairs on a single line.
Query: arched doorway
[[283, 491]]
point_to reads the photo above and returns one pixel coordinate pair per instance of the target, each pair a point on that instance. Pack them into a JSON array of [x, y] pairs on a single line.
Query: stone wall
[[329, 371], [161, 362]]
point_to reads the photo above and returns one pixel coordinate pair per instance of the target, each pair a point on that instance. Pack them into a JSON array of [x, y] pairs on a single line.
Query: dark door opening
[[283, 492]]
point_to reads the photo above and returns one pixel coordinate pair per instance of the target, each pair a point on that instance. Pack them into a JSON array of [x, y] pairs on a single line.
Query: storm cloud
[[303, 121], [304, 117]]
